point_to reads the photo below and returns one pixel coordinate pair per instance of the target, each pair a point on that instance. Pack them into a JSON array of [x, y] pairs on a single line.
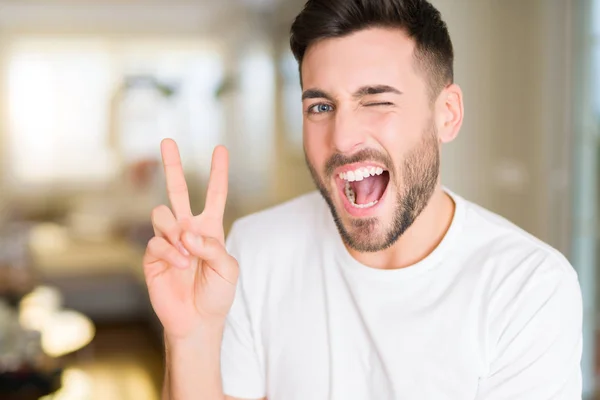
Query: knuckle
[[209, 241], [158, 211], [212, 244], [154, 244], [234, 261], [186, 224]]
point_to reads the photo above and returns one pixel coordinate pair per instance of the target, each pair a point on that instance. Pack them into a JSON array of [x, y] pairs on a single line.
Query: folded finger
[[160, 249], [165, 225], [211, 251]]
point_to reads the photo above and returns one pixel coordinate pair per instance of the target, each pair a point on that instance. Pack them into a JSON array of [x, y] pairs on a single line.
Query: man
[[386, 285]]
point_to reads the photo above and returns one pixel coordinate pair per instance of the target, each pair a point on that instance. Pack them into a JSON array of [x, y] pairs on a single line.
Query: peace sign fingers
[[176, 186], [216, 195]]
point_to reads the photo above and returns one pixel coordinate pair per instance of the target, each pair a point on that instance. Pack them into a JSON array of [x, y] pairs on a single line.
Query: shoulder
[[509, 248], [530, 292], [518, 270], [292, 217], [279, 227]]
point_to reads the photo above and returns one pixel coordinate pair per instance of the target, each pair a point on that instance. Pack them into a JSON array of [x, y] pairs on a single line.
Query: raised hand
[[190, 276]]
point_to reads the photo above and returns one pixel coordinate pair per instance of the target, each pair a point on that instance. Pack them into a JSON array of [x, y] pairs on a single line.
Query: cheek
[[388, 130], [316, 139], [381, 123], [394, 132]]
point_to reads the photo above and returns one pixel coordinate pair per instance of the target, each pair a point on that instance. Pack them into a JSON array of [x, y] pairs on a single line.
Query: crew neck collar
[[430, 261]]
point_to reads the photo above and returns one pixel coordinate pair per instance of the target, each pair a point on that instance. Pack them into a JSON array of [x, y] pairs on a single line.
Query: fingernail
[[182, 249]]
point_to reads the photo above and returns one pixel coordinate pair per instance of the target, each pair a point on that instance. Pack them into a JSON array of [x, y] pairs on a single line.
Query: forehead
[[371, 56]]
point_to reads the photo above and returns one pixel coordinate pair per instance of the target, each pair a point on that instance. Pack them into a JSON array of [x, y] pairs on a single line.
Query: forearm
[[192, 368]]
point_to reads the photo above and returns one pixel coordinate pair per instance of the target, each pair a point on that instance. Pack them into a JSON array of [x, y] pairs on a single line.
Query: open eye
[[320, 108]]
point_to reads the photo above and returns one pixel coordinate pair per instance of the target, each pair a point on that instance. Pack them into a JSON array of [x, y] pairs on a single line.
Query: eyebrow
[[361, 92], [316, 94], [377, 89]]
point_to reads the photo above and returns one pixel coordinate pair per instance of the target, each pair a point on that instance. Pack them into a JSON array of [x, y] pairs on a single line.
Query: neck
[[419, 240]]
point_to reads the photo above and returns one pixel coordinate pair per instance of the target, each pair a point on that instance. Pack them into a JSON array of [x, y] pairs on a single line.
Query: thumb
[[213, 253]]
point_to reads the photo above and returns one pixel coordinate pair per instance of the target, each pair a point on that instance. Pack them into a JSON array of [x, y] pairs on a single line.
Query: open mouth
[[364, 187]]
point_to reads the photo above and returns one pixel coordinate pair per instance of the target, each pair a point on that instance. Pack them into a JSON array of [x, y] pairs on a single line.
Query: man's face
[[370, 138]]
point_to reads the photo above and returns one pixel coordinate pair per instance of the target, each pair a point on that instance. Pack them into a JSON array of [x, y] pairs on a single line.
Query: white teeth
[[371, 204], [350, 176], [360, 173]]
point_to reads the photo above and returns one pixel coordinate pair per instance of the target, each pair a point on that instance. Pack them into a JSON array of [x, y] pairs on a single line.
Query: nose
[[348, 134]]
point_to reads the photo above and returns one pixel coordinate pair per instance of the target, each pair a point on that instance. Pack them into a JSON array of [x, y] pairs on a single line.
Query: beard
[[415, 183]]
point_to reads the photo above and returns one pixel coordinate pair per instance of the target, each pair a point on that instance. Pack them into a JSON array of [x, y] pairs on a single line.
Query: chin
[[364, 234]]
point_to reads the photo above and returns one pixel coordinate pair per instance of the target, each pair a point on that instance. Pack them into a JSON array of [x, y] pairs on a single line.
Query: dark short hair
[[419, 19]]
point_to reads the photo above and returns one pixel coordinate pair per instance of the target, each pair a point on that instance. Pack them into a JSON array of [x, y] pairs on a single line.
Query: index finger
[[176, 186], [216, 195]]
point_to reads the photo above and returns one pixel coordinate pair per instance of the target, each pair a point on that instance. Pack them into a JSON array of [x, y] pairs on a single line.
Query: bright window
[[58, 106], [81, 108]]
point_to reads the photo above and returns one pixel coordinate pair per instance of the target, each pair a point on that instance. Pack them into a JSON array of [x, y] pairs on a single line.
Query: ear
[[449, 113]]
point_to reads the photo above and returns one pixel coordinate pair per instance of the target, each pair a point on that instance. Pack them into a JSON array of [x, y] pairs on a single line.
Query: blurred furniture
[[26, 373], [101, 278], [34, 338], [16, 273]]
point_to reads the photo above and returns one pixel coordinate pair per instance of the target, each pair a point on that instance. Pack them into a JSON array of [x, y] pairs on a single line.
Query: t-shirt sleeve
[[535, 340], [241, 369]]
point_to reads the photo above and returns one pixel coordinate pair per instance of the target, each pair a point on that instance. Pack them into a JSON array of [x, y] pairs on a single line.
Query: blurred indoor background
[[89, 88]]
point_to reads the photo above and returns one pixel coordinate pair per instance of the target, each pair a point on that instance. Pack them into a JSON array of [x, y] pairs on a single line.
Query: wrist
[[193, 363], [205, 334]]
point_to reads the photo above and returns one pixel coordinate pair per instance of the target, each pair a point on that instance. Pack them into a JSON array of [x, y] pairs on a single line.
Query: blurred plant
[[133, 81], [227, 85]]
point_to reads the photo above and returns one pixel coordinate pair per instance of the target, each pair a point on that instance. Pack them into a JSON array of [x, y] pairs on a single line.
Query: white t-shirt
[[492, 313]]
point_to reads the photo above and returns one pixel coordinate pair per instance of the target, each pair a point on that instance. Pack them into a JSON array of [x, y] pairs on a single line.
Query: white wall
[[512, 156], [465, 162]]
